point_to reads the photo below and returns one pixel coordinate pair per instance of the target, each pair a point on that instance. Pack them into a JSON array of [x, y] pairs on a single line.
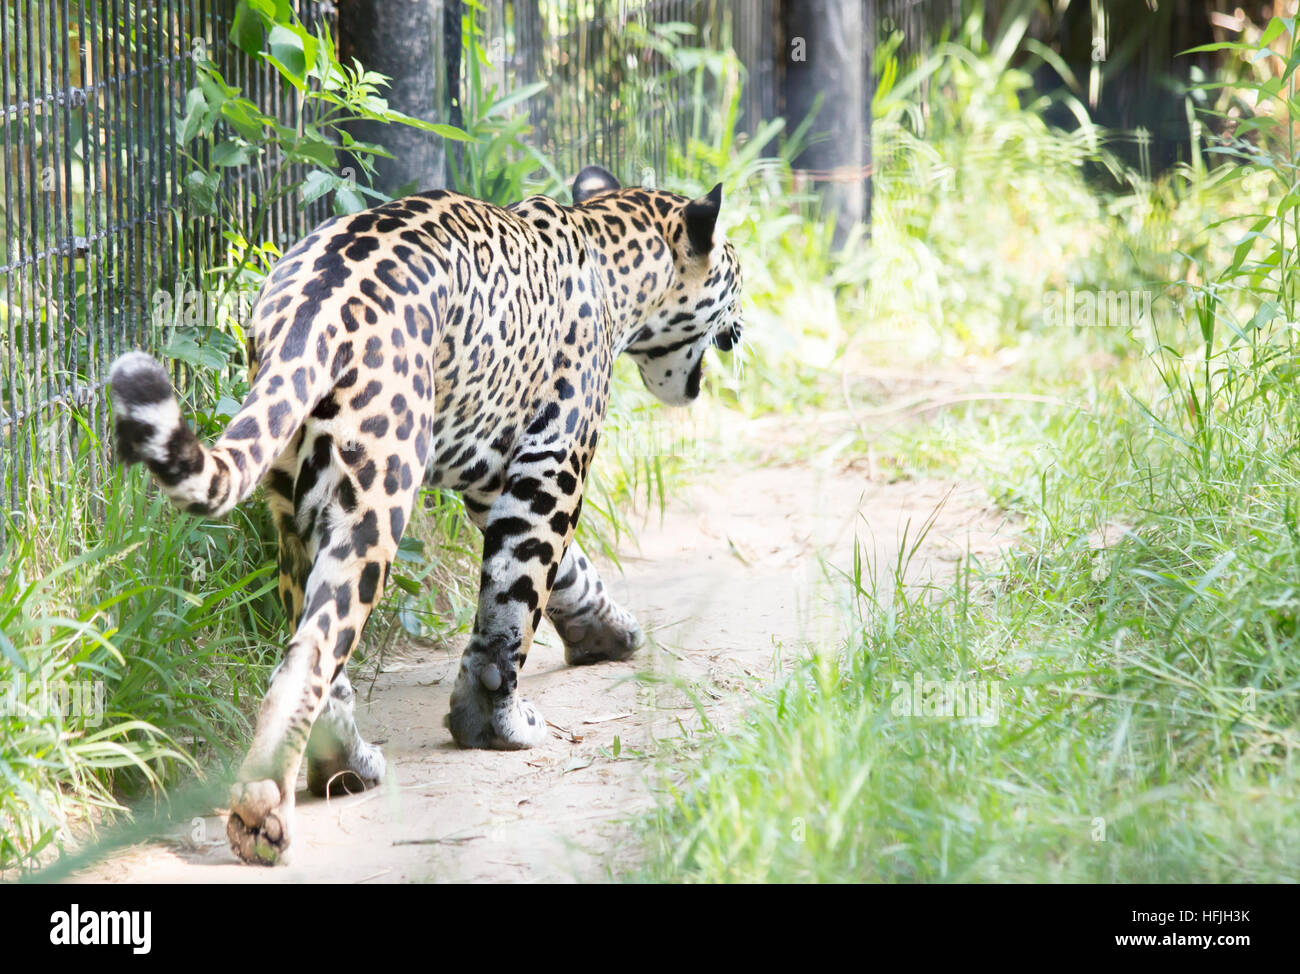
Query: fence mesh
[[613, 98], [95, 220]]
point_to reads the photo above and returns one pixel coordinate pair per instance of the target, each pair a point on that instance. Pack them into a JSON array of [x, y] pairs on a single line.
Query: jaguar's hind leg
[[293, 557], [341, 590], [592, 625], [351, 528], [339, 761]]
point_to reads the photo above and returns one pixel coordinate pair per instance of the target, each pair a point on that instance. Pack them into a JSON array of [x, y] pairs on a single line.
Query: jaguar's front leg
[[525, 533]]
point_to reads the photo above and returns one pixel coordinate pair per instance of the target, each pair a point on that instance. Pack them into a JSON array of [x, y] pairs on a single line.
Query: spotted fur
[[440, 339]]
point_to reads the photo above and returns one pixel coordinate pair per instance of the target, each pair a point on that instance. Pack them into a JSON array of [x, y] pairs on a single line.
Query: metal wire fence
[[94, 218], [95, 221], [613, 97], [920, 22]]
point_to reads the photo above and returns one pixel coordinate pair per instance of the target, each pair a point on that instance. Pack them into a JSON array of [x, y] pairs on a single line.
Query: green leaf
[[407, 584], [196, 111], [245, 118], [227, 406], [1247, 243], [446, 131], [215, 91], [317, 151], [410, 548], [317, 184], [12, 654], [287, 52], [348, 200], [1254, 123], [514, 98], [410, 622], [1218, 46], [1272, 32], [248, 32], [1292, 64], [275, 11], [201, 188], [1288, 203], [309, 45], [231, 154], [1268, 312], [185, 347], [364, 148]]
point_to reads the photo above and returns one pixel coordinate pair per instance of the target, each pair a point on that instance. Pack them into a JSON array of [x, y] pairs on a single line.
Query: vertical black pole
[[825, 62], [869, 35], [403, 41], [453, 12]]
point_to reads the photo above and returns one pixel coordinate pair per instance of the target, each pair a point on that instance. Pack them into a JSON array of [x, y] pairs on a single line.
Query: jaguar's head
[[695, 302]]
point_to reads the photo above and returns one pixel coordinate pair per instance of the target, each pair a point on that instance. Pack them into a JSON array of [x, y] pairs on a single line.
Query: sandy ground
[[738, 575]]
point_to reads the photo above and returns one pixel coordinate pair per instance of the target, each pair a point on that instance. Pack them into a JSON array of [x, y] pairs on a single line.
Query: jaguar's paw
[[597, 641], [260, 822], [487, 714]]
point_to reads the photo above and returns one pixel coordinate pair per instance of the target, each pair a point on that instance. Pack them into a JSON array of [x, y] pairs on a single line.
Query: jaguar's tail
[[207, 481]]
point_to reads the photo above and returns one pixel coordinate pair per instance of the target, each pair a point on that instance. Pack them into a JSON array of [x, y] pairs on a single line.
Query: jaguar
[[446, 341]]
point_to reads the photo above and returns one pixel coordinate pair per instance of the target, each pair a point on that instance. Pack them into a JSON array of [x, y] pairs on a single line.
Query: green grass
[[1141, 636], [1147, 711], [160, 630], [156, 628]]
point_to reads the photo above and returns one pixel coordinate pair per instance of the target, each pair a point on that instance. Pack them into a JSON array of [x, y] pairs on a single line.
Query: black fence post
[[826, 54], [453, 12], [404, 42], [869, 35]]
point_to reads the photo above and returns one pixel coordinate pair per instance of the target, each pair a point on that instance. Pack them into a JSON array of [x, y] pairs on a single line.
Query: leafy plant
[[170, 620], [132, 641], [331, 96], [1264, 142], [1143, 629], [495, 160], [244, 161]]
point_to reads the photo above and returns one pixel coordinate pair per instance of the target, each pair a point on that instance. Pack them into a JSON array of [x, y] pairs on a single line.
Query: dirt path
[[732, 575]]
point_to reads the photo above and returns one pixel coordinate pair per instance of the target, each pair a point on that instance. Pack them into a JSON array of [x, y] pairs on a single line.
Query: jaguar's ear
[[701, 217], [592, 181]]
